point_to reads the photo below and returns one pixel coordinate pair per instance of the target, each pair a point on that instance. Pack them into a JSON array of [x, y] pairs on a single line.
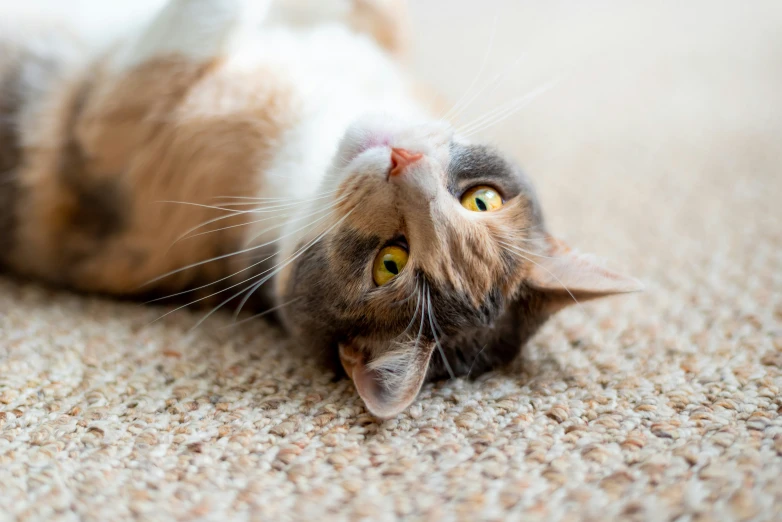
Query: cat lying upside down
[[236, 149]]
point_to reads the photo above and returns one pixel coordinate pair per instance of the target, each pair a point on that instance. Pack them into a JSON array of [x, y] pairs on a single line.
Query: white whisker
[[201, 225], [274, 203], [420, 328], [508, 244], [494, 113], [238, 252], [415, 313], [207, 297], [458, 105], [249, 198], [256, 276], [281, 266], [278, 216], [246, 223], [495, 117], [212, 283], [513, 251], [262, 314], [201, 205], [494, 82], [327, 207], [475, 359], [432, 323], [233, 213]]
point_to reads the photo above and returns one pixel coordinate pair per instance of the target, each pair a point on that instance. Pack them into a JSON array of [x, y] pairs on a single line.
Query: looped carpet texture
[[661, 153]]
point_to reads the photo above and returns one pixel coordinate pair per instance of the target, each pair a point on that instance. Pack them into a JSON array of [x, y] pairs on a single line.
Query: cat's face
[[432, 260]]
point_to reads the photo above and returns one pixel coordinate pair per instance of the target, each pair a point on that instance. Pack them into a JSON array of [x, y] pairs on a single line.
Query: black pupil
[[481, 205], [391, 266]]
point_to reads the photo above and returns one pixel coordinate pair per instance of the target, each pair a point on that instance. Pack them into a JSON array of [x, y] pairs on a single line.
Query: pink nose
[[400, 159]]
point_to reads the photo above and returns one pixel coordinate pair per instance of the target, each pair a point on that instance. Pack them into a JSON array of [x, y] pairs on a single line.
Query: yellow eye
[[389, 262], [482, 199]]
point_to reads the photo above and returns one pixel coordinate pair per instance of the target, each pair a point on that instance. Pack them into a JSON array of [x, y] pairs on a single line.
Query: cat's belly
[[98, 214]]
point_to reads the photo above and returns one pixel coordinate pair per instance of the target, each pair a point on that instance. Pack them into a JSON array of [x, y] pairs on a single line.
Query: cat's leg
[[386, 21], [198, 30]]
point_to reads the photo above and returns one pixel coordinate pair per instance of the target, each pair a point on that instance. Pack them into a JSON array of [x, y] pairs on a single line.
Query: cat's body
[[276, 159], [271, 96]]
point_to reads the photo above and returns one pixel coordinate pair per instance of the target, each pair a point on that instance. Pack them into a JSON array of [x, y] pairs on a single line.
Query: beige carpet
[[661, 150]]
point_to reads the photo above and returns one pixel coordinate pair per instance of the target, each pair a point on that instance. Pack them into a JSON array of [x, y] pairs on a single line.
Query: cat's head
[[431, 259]]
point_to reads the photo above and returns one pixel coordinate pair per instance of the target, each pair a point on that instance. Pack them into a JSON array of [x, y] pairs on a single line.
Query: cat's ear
[[389, 383], [564, 276]]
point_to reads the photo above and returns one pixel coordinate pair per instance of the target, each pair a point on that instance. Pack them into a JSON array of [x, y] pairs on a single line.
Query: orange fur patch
[[169, 130]]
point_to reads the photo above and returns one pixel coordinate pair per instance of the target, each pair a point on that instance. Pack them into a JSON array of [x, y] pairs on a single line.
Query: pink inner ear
[[369, 387], [383, 396]]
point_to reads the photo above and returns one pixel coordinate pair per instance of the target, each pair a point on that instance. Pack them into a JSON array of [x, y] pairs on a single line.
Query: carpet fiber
[[653, 406]]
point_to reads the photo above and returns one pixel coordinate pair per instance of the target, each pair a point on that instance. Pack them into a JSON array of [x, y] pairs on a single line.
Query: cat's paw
[[194, 29]]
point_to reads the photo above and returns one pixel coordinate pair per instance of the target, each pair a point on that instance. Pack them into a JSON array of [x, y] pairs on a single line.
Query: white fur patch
[[396, 369], [339, 77], [197, 29]]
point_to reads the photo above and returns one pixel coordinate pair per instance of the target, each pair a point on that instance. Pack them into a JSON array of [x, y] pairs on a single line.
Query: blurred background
[[661, 145]]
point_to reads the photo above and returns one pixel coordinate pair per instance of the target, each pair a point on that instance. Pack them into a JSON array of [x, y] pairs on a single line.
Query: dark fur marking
[[10, 159], [100, 211], [355, 250], [474, 351], [100, 206], [476, 165]]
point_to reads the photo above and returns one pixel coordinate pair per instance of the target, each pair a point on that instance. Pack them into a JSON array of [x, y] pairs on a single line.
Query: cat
[[235, 150]]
